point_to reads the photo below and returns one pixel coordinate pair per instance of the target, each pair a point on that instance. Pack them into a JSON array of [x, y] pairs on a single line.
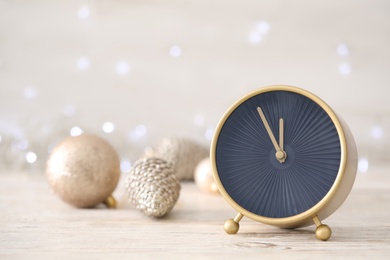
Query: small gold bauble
[[323, 232], [204, 177], [231, 226], [83, 171]]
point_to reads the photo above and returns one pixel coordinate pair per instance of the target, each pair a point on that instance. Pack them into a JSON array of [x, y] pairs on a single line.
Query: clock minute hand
[[280, 155], [281, 130]]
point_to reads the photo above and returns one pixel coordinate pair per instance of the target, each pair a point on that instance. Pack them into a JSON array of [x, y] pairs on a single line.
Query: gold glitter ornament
[[204, 177], [185, 154], [84, 171], [153, 186]]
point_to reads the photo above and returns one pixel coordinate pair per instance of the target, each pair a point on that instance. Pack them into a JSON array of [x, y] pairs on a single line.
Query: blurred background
[[135, 72]]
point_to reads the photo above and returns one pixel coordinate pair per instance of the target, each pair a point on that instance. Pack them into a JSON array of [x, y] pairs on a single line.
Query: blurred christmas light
[[83, 12], [140, 130], [108, 127], [31, 157], [342, 49], [125, 165], [377, 132], [76, 131], [122, 68], [83, 63], [19, 145], [209, 134], [199, 120], [255, 37], [30, 92], [344, 68], [175, 51], [263, 27], [363, 165], [69, 111]]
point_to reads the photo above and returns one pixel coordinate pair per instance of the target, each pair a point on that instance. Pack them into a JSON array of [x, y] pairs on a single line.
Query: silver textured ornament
[[84, 171], [185, 154], [153, 186]]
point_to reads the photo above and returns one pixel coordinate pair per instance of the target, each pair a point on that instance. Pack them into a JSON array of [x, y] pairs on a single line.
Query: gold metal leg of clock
[[231, 226], [323, 232]]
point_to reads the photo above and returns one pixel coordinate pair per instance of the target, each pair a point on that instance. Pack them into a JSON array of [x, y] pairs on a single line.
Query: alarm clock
[[281, 156]]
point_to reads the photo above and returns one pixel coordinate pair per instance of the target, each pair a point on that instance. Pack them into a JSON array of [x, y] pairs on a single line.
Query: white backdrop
[[153, 69]]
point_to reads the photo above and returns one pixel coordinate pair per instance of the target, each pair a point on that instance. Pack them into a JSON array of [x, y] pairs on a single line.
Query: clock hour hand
[[280, 154], [281, 157]]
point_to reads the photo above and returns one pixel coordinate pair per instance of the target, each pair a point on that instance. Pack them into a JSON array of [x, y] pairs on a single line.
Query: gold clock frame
[[328, 204]]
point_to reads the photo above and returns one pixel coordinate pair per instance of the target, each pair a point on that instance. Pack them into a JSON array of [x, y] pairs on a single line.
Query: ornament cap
[[110, 202]]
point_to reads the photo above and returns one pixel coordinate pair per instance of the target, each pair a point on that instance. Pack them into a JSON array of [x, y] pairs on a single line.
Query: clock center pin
[[281, 156]]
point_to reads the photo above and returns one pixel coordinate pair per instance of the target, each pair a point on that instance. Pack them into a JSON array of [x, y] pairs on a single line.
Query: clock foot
[[231, 226], [323, 232]]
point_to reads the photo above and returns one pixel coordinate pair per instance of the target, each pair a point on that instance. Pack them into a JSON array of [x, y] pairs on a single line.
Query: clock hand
[[281, 145], [280, 155]]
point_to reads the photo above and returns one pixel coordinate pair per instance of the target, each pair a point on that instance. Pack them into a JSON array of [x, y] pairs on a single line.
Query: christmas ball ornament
[[153, 186], [204, 177], [184, 153], [83, 171]]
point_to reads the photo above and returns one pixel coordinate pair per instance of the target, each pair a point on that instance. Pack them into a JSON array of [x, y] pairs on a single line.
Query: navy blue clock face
[[272, 184]]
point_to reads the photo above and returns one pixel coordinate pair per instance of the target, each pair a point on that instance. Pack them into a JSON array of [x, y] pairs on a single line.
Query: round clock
[[281, 156]]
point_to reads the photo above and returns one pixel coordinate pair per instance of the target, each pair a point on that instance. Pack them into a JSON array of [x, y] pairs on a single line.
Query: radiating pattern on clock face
[[246, 162]]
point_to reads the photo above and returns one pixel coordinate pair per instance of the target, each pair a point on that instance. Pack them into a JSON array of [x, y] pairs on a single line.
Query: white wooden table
[[35, 224]]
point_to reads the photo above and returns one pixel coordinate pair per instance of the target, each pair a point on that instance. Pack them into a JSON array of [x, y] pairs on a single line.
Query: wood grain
[[35, 224]]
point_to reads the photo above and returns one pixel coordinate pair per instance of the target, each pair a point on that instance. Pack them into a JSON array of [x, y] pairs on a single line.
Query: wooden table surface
[[35, 224]]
